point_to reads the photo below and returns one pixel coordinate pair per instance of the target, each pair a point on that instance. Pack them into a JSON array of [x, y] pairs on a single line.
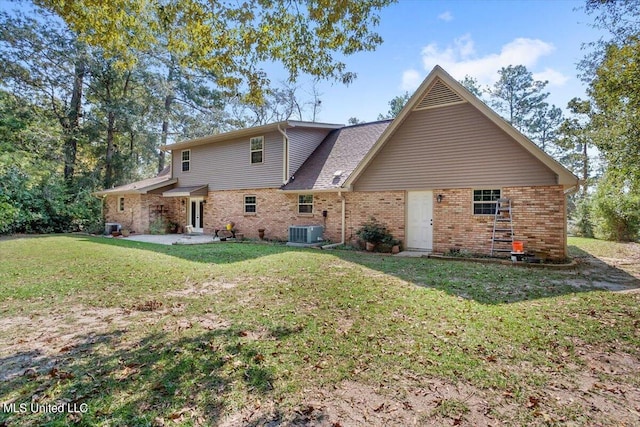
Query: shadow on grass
[[155, 379], [484, 283], [497, 283], [210, 253]]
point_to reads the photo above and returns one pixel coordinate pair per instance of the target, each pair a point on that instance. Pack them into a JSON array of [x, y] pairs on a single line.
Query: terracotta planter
[[395, 249], [370, 246], [261, 233], [125, 232]]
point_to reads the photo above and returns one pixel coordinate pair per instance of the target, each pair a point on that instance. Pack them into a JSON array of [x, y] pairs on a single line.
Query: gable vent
[[438, 96]]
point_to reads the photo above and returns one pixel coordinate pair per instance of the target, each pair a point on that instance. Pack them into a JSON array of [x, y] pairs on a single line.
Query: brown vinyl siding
[[451, 147], [226, 165], [302, 142]]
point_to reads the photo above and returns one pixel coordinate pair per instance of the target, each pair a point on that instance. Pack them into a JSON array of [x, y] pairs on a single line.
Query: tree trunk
[[585, 169], [168, 100], [108, 158], [72, 123]]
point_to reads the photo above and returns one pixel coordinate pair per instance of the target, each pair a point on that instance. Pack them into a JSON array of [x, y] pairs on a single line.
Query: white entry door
[[420, 220], [195, 214]]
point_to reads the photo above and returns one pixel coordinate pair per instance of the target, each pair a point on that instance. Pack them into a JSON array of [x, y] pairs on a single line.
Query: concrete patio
[[171, 239]]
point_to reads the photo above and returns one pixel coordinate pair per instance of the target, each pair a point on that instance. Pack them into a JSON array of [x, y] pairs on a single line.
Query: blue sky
[[464, 37]]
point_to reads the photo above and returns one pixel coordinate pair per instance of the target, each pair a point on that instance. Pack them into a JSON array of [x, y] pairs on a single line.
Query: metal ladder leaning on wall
[[502, 236]]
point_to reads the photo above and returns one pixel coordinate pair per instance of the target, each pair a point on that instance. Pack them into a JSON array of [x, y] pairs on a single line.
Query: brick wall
[[141, 209], [275, 212], [387, 207], [538, 215]]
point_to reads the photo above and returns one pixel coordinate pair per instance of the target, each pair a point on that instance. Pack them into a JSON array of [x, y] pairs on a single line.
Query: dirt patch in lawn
[[34, 344], [615, 274], [582, 398]]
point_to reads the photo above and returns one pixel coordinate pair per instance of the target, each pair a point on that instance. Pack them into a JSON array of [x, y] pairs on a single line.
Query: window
[[257, 149], [121, 204], [484, 201], [186, 160], [249, 204], [305, 203]]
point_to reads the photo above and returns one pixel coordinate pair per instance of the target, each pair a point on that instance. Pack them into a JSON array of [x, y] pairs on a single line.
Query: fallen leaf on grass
[[63, 375], [533, 402]]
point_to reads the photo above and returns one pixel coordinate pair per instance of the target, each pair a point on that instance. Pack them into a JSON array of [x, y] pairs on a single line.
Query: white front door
[[420, 220], [195, 214]]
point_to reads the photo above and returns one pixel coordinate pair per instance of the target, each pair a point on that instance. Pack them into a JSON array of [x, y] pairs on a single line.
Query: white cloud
[[554, 77], [411, 79], [446, 16], [460, 58]]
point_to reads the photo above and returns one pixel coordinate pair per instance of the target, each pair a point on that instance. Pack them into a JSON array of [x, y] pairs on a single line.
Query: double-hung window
[[305, 203], [484, 201], [186, 160], [250, 204], [257, 150]]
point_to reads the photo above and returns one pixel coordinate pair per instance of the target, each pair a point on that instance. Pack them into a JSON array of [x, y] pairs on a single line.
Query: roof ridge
[[367, 123]]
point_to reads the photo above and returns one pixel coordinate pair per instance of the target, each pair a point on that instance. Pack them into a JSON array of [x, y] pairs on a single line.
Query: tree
[[231, 40], [43, 60], [395, 106], [613, 73], [472, 86], [543, 125], [517, 96], [354, 121], [575, 138]]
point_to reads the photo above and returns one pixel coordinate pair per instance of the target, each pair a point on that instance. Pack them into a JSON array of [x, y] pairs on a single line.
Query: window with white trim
[[121, 204], [484, 201], [257, 149], [305, 203], [185, 156], [250, 204]]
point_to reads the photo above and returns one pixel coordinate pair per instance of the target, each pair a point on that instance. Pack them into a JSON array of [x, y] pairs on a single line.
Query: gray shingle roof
[[336, 157]]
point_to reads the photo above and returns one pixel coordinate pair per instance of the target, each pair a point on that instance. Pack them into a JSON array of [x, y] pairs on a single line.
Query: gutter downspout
[[344, 223], [285, 156]]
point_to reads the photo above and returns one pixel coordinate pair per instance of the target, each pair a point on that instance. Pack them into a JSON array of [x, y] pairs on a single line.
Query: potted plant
[[261, 233], [372, 233]]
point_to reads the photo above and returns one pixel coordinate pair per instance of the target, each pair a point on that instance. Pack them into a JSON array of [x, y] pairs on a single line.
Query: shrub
[[616, 212], [373, 232]]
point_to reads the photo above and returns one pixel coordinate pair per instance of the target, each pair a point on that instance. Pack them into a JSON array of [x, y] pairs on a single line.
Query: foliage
[[574, 138], [612, 70], [231, 40], [158, 226], [473, 86], [395, 106], [582, 224], [42, 205], [616, 210], [373, 231], [616, 93]]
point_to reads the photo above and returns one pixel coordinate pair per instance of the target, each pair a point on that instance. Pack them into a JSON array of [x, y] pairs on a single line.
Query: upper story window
[[484, 201], [305, 203], [250, 204], [257, 149], [121, 204], [186, 160]]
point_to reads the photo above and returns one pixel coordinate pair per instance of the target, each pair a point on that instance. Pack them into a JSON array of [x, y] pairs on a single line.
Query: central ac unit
[[305, 233]]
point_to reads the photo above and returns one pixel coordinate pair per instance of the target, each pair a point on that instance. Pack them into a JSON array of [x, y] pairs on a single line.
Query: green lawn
[[252, 334]]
